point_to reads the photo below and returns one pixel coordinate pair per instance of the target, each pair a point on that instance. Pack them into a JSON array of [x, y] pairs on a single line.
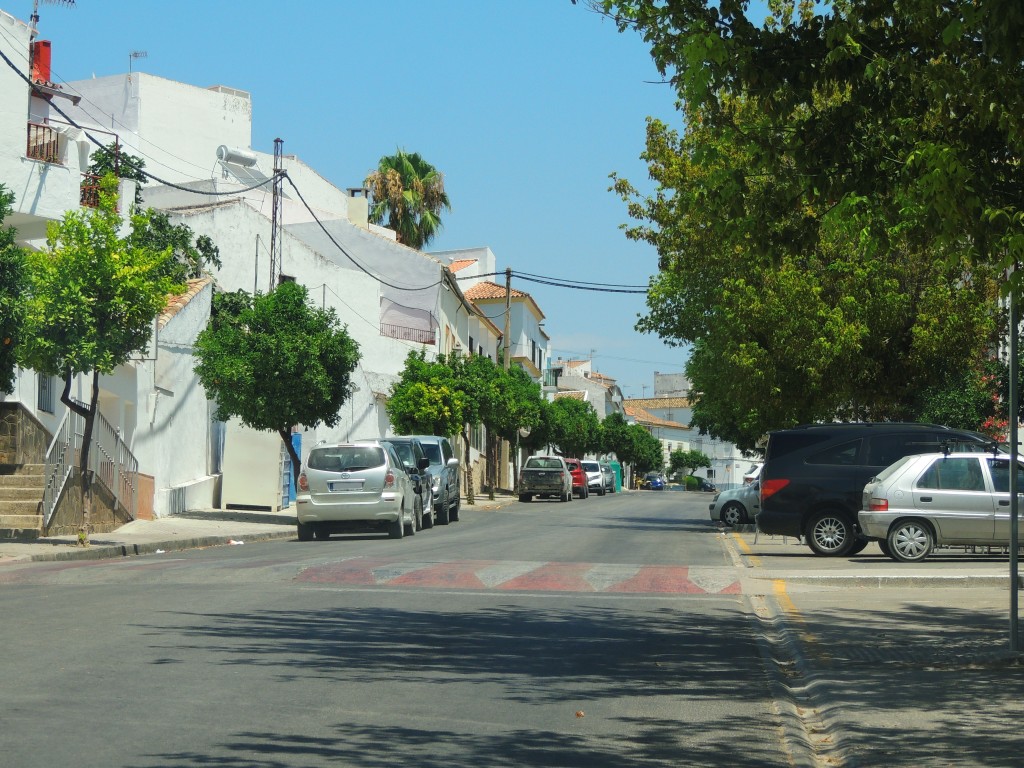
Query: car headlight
[[435, 483]]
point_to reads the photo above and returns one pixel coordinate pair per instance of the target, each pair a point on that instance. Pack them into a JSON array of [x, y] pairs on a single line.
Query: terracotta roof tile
[[489, 290], [458, 264], [660, 402], [574, 394], [646, 417], [176, 303]]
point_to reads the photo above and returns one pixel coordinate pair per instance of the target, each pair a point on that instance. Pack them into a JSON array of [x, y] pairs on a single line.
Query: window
[[953, 474], [46, 390], [1000, 469], [883, 450], [472, 347], [844, 454]]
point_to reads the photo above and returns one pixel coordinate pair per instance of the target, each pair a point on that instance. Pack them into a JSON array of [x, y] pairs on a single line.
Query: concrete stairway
[[21, 499]]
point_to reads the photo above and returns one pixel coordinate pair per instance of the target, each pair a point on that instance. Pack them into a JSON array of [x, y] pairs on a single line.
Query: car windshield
[[404, 451], [591, 466], [542, 463], [653, 476], [345, 458], [433, 451]]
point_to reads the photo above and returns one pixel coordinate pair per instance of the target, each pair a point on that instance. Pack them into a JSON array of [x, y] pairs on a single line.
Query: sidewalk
[[190, 530]]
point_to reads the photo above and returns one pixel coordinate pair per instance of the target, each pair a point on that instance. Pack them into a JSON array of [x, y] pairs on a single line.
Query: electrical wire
[[579, 285]]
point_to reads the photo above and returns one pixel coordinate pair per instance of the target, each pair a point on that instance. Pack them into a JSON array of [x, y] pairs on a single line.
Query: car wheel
[[442, 510], [321, 534], [858, 545], [601, 492], [733, 514], [454, 515], [884, 546], [418, 517], [428, 516], [396, 528], [525, 496], [910, 541], [410, 527], [830, 534], [563, 497], [305, 531]]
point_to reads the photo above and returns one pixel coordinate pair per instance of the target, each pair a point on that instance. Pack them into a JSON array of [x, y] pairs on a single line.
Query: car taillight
[[771, 487], [303, 482], [878, 505], [389, 479]]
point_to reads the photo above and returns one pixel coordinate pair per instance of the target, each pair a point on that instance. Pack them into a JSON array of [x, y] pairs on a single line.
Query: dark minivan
[[814, 475]]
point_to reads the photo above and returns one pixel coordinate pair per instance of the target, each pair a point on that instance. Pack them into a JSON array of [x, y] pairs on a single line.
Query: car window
[[781, 444], [953, 474], [542, 463], [883, 450], [405, 453], [894, 467], [591, 466], [433, 451], [345, 458], [844, 454], [446, 449], [1000, 469]]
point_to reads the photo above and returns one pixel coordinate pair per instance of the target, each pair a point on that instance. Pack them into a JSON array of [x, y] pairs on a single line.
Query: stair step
[[30, 507], [22, 481], [6, 470], [21, 521], [20, 534], [21, 493]]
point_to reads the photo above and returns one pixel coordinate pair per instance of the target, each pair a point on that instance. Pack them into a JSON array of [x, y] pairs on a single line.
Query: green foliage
[[645, 453], [575, 428], [92, 295], [427, 399], [687, 462], [123, 165], [275, 361], [13, 283], [800, 304], [407, 195], [191, 257]]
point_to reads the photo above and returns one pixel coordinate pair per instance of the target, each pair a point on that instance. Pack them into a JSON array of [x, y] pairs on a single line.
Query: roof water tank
[[237, 156]]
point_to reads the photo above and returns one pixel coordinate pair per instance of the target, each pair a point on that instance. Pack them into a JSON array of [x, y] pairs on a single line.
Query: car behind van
[[813, 476]]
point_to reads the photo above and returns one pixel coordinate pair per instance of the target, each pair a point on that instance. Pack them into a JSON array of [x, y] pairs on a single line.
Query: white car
[[355, 486], [595, 476], [737, 505], [753, 473]]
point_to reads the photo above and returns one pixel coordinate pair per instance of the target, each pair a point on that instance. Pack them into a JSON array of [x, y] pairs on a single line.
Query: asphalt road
[[602, 632]]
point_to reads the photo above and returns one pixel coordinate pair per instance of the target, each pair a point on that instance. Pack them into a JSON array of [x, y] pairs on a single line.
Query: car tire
[[525, 497], [320, 533], [601, 492], [884, 546], [830, 534], [733, 513], [396, 528], [443, 510], [910, 541], [858, 546], [417, 518], [565, 497], [454, 514], [304, 531], [410, 527], [428, 517]]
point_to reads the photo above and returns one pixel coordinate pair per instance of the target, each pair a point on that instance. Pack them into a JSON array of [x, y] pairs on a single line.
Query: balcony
[[43, 143], [418, 335]]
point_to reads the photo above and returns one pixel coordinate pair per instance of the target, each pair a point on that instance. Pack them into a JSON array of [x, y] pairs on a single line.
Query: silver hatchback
[[737, 505], [936, 499], [355, 486]]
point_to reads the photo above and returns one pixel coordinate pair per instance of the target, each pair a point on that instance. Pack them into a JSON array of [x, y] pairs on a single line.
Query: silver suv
[[445, 472], [595, 476], [355, 486]]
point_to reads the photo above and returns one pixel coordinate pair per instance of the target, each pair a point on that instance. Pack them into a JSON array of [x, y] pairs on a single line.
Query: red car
[[579, 478]]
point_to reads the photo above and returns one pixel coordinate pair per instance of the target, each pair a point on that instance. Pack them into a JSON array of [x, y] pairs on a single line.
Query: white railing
[[110, 460]]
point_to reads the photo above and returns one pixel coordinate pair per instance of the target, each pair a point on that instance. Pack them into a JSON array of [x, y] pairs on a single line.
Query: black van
[[813, 475]]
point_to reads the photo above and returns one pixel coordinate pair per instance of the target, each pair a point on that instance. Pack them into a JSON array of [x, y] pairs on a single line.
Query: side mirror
[[423, 463], [453, 462]]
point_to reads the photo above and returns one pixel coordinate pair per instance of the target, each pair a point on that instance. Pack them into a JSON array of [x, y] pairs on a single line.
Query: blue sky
[[525, 106]]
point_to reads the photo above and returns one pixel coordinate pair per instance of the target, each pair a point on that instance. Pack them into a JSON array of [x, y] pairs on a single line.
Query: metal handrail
[[407, 334], [110, 460]]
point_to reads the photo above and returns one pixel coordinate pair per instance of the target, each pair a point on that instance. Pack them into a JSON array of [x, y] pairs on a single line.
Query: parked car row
[[555, 476], [398, 484], [910, 487]]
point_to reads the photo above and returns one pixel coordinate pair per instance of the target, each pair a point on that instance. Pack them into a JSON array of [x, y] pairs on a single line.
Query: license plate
[[344, 485]]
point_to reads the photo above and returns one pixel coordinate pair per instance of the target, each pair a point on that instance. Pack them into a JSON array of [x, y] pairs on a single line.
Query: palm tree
[[407, 195]]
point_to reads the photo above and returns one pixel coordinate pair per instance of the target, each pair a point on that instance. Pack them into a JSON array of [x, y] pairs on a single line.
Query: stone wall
[[69, 517], [23, 440]]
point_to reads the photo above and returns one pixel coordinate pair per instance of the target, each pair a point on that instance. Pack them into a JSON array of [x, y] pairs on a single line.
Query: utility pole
[[508, 316], [275, 217]]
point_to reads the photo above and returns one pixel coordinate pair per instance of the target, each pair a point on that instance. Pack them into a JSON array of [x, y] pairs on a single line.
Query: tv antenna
[[131, 57], [34, 18]]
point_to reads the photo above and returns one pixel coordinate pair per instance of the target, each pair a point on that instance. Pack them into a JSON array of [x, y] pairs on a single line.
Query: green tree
[[645, 452], [575, 428], [192, 254], [90, 303], [796, 312], [407, 195], [13, 283], [688, 461], [110, 159], [275, 361], [427, 398]]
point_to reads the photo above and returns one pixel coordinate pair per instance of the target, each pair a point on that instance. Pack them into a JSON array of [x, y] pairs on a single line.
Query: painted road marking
[[527, 576]]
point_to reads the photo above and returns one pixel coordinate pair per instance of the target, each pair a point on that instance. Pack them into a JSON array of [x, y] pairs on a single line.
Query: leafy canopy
[[407, 195], [13, 282]]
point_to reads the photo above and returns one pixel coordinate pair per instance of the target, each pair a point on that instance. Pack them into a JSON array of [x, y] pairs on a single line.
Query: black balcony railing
[[407, 334]]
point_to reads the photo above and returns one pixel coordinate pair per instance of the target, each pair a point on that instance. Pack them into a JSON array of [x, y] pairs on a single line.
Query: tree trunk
[[492, 463], [468, 470], [286, 436]]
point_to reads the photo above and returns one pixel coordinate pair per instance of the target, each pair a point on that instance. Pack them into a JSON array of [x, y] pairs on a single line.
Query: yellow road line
[[747, 551]]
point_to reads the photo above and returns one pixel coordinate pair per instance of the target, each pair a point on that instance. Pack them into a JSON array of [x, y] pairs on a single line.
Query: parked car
[[936, 499], [579, 478], [703, 484], [355, 486], [653, 481], [545, 476], [410, 451], [813, 476], [736, 505], [445, 473], [595, 477], [753, 473], [608, 477]]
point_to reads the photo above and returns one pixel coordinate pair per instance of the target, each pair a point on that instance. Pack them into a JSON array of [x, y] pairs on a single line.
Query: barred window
[[46, 393]]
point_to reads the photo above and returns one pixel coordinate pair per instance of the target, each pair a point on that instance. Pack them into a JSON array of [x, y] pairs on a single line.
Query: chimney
[[41, 61], [359, 206]]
